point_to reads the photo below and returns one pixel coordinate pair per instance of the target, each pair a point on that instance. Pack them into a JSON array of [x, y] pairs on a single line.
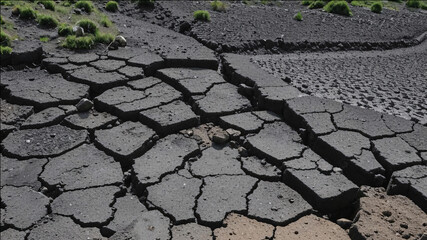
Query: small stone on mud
[[121, 41], [84, 105], [344, 223], [220, 137]]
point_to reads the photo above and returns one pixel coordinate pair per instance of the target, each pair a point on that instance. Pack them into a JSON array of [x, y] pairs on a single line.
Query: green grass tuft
[[6, 3], [423, 6], [317, 4], [44, 39], [338, 7], [105, 38], [298, 16], [104, 21], [27, 13], [48, 4], [1, 20], [377, 7], [413, 3], [88, 25], [306, 2], [65, 30], [112, 6], [47, 21], [202, 15], [85, 5], [218, 6], [5, 39], [73, 42], [5, 50]]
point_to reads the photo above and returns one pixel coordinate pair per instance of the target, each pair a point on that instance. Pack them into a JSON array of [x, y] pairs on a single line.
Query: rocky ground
[[166, 139]]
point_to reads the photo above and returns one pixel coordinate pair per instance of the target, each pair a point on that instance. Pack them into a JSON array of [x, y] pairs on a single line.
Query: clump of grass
[[27, 13], [44, 39], [112, 6], [338, 7], [6, 3], [377, 7], [85, 5], [65, 30], [423, 6], [146, 3], [413, 3], [16, 10], [1, 20], [73, 42], [298, 16], [5, 39], [48, 4], [5, 50], [88, 25], [105, 38], [105, 21], [306, 2], [47, 21], [202, 15], [316, 4], [218, 6]]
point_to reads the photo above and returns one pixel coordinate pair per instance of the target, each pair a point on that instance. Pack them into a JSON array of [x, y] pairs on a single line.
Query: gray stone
[[220, 136], [44, 118], [276, 203], [78, 31], [43, 142], [63, 228], [24, 206], [260, 169], [11, 113], [90, 120], [221, 195], [121, 40], [83, 167], [128, 209], [21, 173], [276, 141], [126, 140], [167, 155], [150, 225], [89, 206], [217, 162], [394, 153], [170, 118], [84, 105], [175, 189]]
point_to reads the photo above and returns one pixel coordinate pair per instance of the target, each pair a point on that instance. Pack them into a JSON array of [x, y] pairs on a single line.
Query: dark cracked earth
[[193, 134]]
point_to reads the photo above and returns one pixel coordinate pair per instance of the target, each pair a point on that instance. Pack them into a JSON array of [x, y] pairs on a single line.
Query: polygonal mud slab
[[311, 104], [43, 142], [397, 124], [149, 225], [90, 120], [170, 118], [318, 123], [36, 87], [365, 169], [125, 140], [217, 162], [342, 144], [276, 141], [387, 217], [128, 208], [191, 81], [126, 53], [273, 98], [175, 195], [25, 52], [108, 65], [221, 195], [411, 182], [239, 227], [6, 129], [12, 234], [311, 227], [63, 228], [54, 64], [365, 121], [11, 113], [44, 118], [89, 207], [96, 79], [276, 203], [143, 84], [127, 103], [21, 173], [83, 167], [24, 206], [83, 58], [417, 138], [191, 231], [132, 72], [260, 169], [221, 100], [267, 116], [139, 57], [395, 154], [168, 154], [245, 122]]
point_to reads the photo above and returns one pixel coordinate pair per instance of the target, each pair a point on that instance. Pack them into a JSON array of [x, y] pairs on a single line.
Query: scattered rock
[[344, 223], [84, 105], [77, 30], [121, 41], [219, 135]]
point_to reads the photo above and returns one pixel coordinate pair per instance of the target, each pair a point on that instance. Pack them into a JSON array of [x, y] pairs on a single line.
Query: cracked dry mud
[[176, 148]]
